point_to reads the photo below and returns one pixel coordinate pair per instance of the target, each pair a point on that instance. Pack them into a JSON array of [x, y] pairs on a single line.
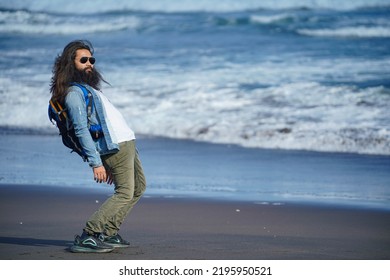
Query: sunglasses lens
[[84, 60]]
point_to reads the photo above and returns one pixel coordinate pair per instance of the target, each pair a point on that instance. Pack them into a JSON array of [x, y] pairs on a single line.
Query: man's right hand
[[100, 174]]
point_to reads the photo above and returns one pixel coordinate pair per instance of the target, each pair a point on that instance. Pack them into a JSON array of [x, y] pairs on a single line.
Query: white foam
[[26, 104], [358, 31], [334, 122], [267, 19], [41, 23], [285, 107]]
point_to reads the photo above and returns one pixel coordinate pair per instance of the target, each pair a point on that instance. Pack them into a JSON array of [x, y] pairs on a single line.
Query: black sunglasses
[[84, 60]]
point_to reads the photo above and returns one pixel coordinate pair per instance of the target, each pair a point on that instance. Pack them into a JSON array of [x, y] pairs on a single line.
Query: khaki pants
[[130, 184]]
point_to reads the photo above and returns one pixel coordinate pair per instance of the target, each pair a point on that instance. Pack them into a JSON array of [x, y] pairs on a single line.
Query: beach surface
[[39, 222], [203, 201]]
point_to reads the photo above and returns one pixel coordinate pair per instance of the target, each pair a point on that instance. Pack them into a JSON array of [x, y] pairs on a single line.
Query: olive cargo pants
[[130, 184]]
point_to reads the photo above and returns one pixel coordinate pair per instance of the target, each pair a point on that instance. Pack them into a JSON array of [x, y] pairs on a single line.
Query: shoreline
[[6, 131], [39, 223], [103, 190], [184, 168]]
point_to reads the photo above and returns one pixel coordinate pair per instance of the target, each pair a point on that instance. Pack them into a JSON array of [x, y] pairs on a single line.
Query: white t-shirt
[[117, 126]]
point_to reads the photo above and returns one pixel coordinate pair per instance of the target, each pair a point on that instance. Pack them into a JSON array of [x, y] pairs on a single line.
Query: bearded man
[[110, 151]]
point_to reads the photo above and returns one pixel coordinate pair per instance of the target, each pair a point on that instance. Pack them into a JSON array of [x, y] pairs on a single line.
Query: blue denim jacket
[[77, 113]]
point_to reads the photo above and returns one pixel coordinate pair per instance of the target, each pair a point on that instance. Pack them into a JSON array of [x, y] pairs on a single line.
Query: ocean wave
[[281, 102], [102, 6], [20, 21], [303, 116], [256, 19], [267, 19], [303, 22], [65, 30], [290, 116], [356, 31]]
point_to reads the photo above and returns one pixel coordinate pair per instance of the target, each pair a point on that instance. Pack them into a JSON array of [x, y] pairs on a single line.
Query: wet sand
[[39, 223]]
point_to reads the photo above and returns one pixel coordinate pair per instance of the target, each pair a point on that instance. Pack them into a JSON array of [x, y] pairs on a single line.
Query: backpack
[[58, 115]]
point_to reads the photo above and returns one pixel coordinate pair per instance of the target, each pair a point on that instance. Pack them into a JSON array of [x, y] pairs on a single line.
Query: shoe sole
[[78, 249], [117, 245]]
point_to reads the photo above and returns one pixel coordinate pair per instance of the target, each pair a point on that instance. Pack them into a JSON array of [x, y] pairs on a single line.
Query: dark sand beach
[[40, 219], [39, 222]]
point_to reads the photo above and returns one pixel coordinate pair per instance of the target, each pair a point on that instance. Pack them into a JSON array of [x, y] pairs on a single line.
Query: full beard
[[89, 76]]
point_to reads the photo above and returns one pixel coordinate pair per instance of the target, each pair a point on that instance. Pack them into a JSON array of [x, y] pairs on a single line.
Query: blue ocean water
[[289, 74], [294, 74]]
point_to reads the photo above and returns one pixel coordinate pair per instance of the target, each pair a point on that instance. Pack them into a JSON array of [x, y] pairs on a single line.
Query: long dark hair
[[64, 70]]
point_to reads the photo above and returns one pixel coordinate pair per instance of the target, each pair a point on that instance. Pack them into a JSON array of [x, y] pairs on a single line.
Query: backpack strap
[[95, 130], [58, 110], [88, 100]]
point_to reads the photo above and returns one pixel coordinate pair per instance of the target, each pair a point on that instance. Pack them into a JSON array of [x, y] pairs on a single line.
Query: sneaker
[[115, 241], [89, 244]]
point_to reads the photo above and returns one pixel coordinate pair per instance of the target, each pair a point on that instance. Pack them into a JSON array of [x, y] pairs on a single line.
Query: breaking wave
[[102, 6]]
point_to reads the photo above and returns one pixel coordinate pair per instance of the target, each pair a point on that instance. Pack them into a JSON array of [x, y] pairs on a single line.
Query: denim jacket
[[77, 113]]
